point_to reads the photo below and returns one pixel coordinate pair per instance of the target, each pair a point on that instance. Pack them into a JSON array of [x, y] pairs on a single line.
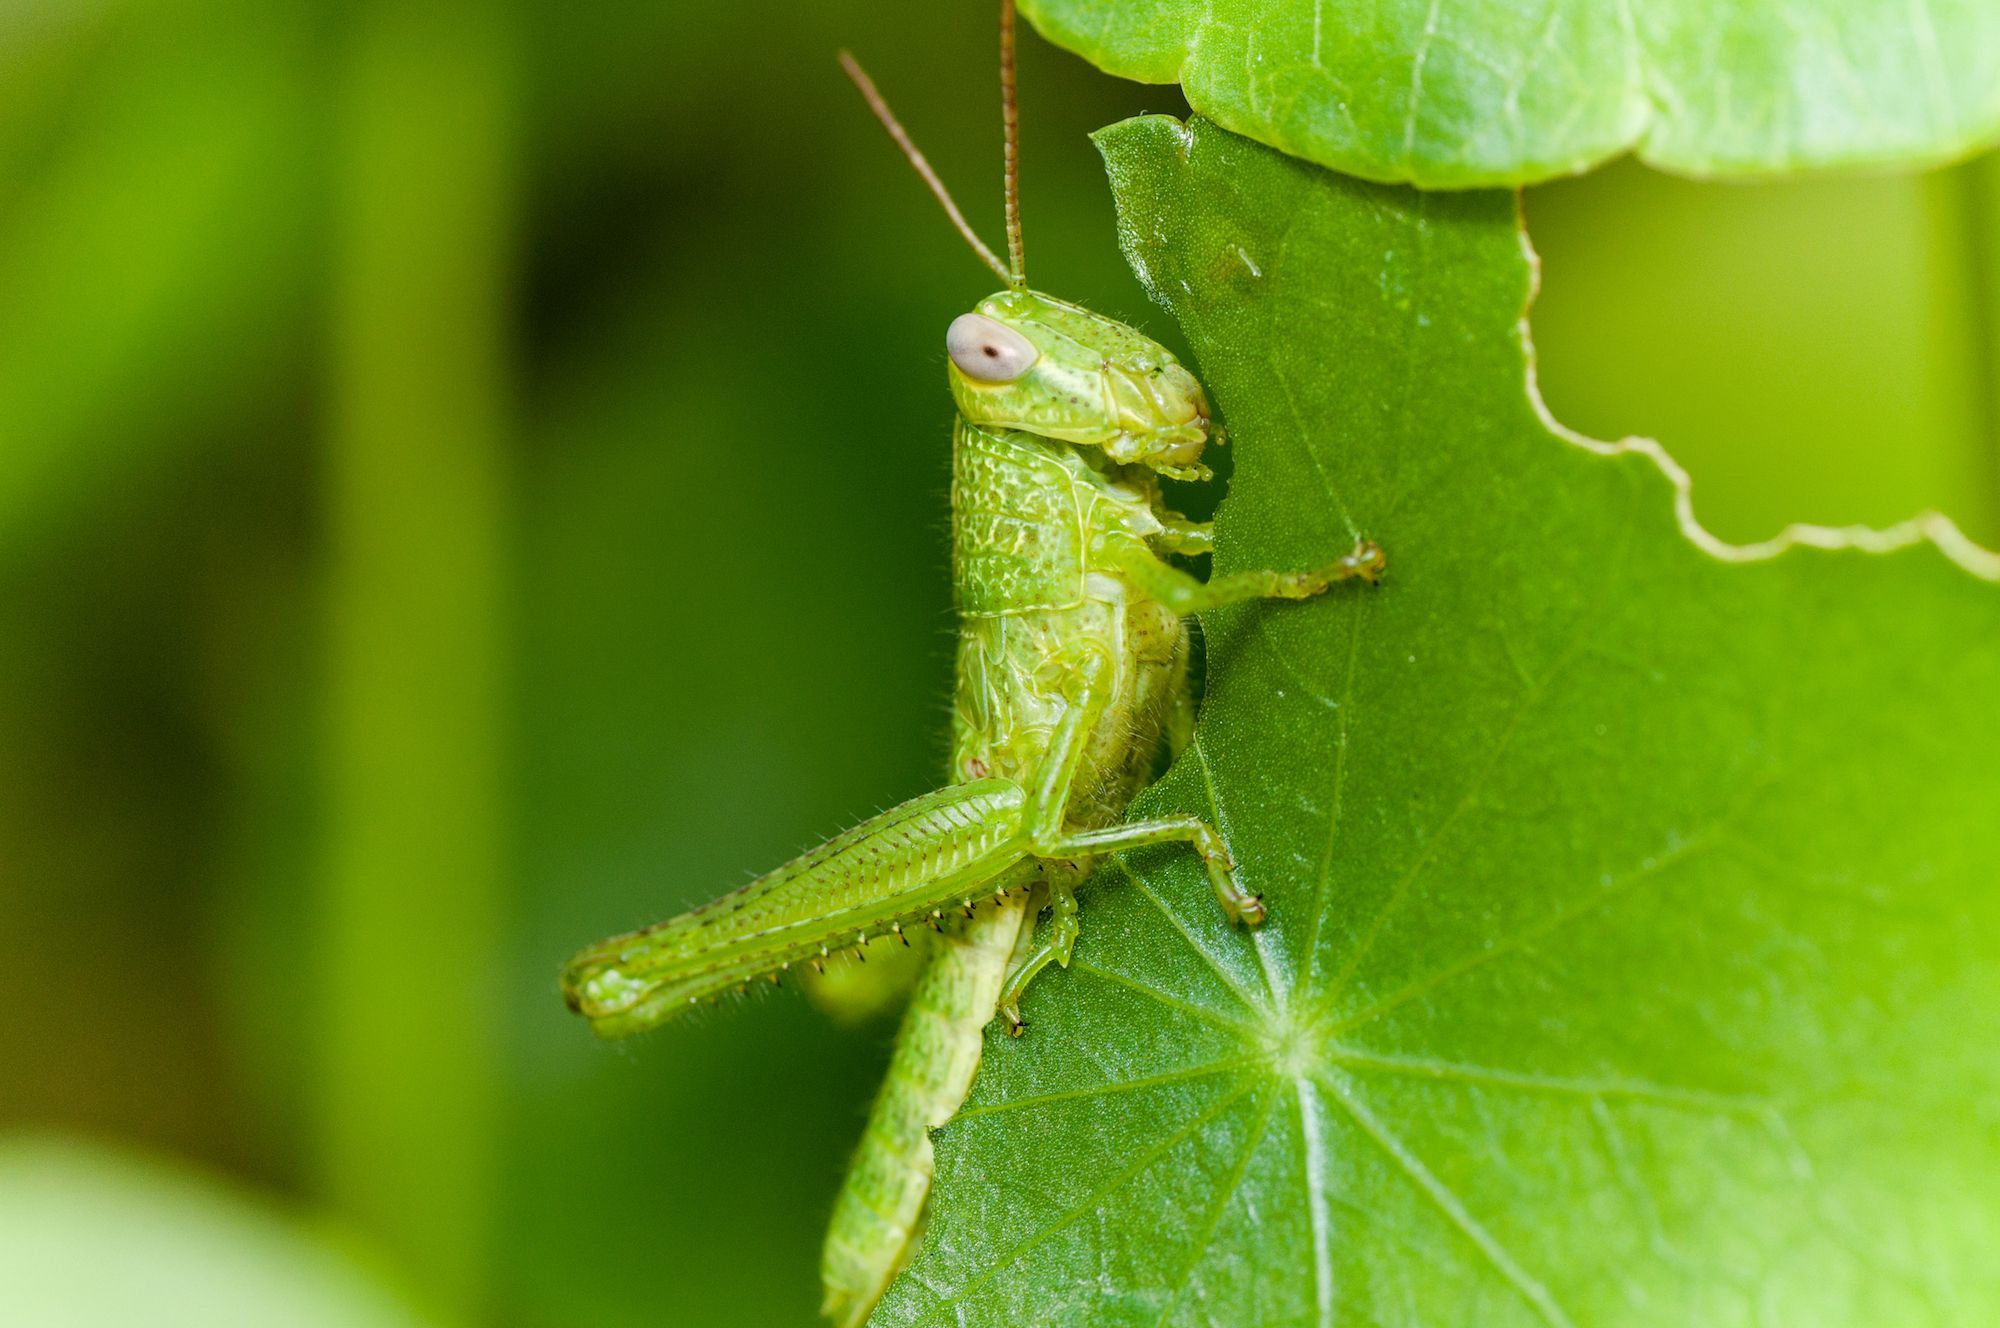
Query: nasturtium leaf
[[1498, 92], [1634, 951]]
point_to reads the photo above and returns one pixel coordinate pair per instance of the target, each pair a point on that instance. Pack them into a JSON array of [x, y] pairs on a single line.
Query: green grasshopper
[[1072, 675]]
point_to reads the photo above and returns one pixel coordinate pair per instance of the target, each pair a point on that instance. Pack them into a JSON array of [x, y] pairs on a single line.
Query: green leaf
[[1493, 92], [1634, 952]]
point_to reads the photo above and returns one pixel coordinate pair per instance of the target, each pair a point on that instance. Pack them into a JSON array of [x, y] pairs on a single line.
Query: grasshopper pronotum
[[1072, 673]]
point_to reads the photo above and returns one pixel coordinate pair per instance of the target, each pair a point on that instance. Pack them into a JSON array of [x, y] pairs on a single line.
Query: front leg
[[1180, 535], [1185, 595]]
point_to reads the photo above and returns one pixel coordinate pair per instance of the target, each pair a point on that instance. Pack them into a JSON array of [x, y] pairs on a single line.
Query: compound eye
[[987, 350]]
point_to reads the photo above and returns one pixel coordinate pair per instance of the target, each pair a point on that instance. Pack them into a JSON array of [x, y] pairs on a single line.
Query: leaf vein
[[1236, 1026], [1454, 1209], [1183, 1075], [1666, 1095], [1318, 923], [1520, 940], [1174, 920], [1118, 1178], [1312, 1134], [1213, 1222], [1399, 893]]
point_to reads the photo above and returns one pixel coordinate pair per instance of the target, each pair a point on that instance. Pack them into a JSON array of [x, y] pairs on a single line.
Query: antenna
[[1010, 124], [930, 177]]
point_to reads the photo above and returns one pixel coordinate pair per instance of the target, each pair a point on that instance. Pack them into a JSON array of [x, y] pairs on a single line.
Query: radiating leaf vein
[[1666, 1095], [1090, 1201], [1114, 1089], [1520, 940], [1452, 1207], [1224, 1195], [1147, 989], [1199, 950]]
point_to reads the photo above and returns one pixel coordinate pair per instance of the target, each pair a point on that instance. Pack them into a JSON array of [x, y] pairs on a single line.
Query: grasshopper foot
[[1238, 904], [1367, 562]]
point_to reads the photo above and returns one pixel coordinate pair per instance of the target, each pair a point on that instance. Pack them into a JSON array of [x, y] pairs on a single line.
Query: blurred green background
[[472, 479]]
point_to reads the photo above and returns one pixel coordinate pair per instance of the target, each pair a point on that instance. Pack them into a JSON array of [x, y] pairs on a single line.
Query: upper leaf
[[1634, 952], [1497, 92]]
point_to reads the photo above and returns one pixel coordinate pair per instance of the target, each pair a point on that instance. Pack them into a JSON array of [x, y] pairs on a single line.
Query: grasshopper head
[[1027, 361]]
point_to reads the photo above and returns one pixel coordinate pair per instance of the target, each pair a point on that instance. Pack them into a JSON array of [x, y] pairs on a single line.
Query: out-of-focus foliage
[[1607, 981], [1487, 92], [723, 442], [159, 165], [91, 1238], [1812, 350], [690, 336]]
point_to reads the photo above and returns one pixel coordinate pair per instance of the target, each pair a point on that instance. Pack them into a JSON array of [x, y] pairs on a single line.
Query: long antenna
[[930, 177], [1010, 121]]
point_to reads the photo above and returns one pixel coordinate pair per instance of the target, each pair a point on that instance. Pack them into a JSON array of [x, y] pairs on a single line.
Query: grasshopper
[[1072, 675]]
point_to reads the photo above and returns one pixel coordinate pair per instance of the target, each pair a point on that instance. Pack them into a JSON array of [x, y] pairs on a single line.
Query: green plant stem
[[416, 497]]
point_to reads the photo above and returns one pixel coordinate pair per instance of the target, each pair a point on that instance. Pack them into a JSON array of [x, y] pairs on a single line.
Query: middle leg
[[1062, 879], [1050, 838], [1238, 903]]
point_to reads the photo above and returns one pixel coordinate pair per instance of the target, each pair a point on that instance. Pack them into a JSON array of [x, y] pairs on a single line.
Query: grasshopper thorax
[[1028, 361]]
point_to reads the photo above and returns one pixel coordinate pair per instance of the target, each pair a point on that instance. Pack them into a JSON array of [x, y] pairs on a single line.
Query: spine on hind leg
[[880, 1209]]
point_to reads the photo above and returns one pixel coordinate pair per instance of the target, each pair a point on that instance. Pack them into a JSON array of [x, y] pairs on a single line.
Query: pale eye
[[988, 351]]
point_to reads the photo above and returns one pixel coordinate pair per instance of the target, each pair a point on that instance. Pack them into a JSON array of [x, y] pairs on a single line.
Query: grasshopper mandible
[[1072, 674]]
